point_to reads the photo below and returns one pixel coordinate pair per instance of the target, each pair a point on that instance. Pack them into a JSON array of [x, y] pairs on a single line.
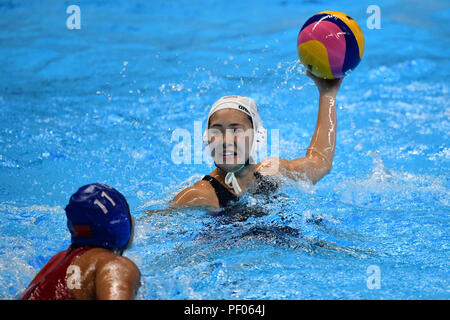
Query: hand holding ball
[[330, 44]]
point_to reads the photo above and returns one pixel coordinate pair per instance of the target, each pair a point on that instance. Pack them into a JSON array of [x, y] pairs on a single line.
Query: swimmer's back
[[106, 276], [85, 273]]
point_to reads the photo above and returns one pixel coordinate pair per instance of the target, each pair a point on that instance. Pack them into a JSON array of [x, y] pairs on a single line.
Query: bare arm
[[319, 156], [201, 194], [117, 279], [323, 142]]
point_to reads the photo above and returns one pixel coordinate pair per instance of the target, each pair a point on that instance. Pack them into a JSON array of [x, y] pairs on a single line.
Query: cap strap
[[231, 181]]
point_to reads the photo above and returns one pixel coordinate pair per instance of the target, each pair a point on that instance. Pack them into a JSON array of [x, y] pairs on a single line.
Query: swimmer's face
[[230, 133]]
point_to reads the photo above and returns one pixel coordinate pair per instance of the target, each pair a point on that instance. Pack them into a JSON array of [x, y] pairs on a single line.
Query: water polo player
[[235, 134], [92, 268]]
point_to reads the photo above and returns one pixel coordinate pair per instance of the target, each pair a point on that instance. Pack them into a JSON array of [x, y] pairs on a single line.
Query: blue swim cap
[[99, 215]]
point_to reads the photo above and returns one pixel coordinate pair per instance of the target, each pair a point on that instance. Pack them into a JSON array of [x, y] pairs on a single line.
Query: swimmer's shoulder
[[273, 166], [101, 256], [99, 263], [201, 194]]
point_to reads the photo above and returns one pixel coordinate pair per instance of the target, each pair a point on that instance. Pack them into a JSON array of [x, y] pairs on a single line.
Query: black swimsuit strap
[[223, 194]]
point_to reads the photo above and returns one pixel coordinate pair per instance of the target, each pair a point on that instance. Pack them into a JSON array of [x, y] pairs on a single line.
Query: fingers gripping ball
[[330, 44]]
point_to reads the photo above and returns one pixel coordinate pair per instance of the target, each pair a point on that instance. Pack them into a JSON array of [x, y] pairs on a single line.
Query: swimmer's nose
[[228, 147], [228, 139]]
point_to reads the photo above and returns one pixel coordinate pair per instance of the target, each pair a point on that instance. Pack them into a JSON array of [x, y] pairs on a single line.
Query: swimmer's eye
[[238, 131], [233, 131]]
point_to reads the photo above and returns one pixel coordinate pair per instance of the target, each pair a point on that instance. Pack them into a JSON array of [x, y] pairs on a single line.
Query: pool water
[[100, 104]]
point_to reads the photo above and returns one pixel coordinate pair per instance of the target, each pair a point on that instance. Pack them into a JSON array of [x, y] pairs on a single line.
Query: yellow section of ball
[[314, 56]]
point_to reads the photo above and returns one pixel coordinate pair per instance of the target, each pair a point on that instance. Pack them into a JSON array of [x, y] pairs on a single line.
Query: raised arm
[[319, 156]]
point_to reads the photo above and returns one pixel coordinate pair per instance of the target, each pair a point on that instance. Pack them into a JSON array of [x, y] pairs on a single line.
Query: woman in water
[[234, 135]]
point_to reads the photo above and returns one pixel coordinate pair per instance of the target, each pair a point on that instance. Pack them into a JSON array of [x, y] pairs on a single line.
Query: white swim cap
[[248, 106]]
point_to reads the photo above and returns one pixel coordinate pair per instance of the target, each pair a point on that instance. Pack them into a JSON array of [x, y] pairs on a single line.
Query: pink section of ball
[[332, 37]]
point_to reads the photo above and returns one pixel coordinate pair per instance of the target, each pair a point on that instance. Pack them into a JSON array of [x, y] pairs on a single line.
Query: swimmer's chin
[[229, 167]]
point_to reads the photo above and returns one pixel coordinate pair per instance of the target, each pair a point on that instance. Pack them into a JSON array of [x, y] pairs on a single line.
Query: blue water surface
[[101, 104]]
